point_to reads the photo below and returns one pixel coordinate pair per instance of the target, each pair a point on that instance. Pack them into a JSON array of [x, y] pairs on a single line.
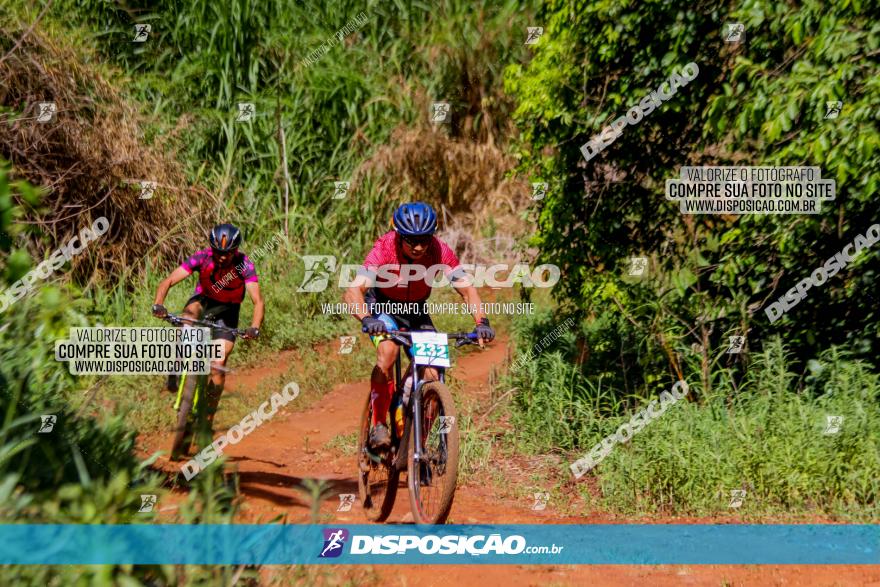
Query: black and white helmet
[[225, 238]]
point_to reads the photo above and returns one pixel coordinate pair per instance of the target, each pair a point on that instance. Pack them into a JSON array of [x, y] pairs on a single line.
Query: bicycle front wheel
[[183, 430], [377, 478], [433, 476]]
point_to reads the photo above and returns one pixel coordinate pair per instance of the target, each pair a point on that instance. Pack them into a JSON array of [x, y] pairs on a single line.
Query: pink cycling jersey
[[222, 284], [388, 251]]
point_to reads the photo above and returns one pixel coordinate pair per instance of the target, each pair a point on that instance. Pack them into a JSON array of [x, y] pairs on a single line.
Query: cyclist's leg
[[216, 381], [224, 315], [382, 378]]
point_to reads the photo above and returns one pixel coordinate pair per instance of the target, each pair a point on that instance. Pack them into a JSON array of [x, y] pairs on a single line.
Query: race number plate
[[430, 348]]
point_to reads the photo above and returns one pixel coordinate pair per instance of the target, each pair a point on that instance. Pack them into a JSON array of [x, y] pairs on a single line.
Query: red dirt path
[[277, 456]]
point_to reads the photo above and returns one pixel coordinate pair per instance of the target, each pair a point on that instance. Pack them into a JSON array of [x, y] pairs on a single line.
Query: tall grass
[[765, 434]]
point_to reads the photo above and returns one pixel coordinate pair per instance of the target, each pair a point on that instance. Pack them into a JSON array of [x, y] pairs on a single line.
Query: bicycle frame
[[414, 408], [180, 386], [181, 320], [415, 398]]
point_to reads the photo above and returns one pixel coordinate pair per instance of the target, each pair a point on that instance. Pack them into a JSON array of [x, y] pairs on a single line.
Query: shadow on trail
[[260, 483]]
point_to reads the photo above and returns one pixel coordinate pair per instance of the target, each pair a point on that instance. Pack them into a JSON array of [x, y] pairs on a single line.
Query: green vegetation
[[764, 433], [166, 110], [754, 419]]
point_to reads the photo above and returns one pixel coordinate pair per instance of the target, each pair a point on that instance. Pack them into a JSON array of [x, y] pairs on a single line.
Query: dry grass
[[88, 157], [468, 182]]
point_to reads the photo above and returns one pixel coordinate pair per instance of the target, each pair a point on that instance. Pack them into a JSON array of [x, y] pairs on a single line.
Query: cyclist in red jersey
[[411, 245], [225, 274]]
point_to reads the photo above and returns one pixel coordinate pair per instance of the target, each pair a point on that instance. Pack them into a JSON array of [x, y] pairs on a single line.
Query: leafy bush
[[761, 102], [764, 433]]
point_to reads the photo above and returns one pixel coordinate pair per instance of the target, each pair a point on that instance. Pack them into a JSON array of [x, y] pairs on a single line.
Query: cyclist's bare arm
[[176, 277], [471, 297], [354, 297], [253, 290]]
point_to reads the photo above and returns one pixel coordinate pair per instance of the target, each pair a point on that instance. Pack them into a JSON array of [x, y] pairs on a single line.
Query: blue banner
[[618, 544]]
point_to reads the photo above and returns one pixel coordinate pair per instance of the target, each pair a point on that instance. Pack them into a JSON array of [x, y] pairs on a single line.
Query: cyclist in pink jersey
[[395, 259], [225, 274]]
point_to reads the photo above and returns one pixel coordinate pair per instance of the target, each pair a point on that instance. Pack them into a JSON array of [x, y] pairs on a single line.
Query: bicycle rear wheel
[[183, 430], [432, 479], [377, 479]]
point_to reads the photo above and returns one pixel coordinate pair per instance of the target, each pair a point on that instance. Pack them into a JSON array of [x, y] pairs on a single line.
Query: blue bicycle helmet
[[415, 219]]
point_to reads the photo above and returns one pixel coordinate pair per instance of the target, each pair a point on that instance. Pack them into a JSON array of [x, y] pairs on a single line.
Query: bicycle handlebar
[[178, 320]]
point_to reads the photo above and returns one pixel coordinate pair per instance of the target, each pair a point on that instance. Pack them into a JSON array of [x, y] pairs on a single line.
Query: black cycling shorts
[[223, 313]]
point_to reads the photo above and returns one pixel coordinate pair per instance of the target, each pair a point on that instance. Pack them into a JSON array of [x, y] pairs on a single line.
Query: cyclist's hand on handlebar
[[373, 325], [159, 311], [484, 331], [251, 333]]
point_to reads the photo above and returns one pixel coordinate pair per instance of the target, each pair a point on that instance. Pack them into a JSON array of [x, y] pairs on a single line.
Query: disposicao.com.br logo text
[[394, 544]]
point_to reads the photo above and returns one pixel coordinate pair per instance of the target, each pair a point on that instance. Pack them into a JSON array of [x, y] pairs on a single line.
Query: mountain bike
[[425, 444], [190, 389]]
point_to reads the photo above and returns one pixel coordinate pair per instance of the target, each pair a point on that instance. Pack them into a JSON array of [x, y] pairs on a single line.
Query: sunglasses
[[219, 253], [415, 241]]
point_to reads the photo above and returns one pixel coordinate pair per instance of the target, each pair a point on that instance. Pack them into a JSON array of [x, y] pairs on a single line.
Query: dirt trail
[[289, 448]]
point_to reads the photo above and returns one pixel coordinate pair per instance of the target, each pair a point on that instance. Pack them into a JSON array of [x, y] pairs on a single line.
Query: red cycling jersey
[[388, 251], [223, 284]]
